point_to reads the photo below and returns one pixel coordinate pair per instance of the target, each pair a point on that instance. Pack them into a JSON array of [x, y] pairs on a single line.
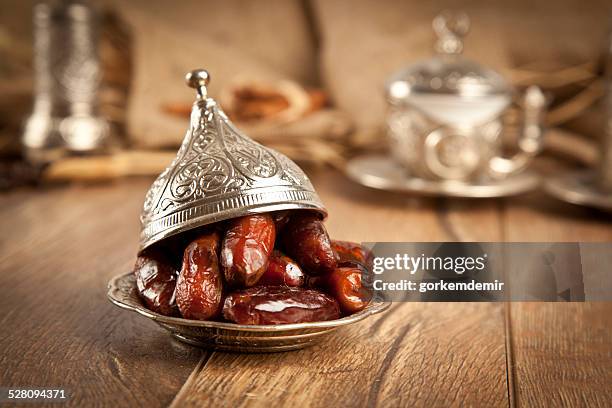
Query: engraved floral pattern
[[252, 159]]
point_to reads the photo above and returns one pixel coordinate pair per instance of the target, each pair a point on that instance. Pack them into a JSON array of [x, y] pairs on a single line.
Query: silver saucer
[[235, 337], [383, 173], [579, 188]]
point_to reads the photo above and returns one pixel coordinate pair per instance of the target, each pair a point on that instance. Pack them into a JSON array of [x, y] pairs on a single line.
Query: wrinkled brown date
[[247, 245], [199, 286], [281, 270], [305, 239], [279, 305], [281, 218], [156, 281], [351, 251], [347, 283]]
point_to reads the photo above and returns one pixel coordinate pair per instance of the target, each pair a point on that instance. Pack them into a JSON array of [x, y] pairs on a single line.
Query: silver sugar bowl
[[219, 173], [444, 117]]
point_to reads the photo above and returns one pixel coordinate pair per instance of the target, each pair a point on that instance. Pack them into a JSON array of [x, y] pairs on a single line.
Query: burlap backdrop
[[268, 40], [361, 42]]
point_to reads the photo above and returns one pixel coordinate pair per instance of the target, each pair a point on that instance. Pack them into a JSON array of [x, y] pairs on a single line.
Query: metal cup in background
[[65, 116], [591, 187], [605, 164]]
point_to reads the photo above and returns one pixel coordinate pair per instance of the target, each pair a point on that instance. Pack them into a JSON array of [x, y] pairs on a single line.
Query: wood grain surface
[[415, 354], [59, 248], [562, 352], [61, 245]]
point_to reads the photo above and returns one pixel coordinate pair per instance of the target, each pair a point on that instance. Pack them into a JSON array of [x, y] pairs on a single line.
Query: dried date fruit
[[279, 305], [351, 251], [156, 281], [281, 270], [281, 218], [315, 282], [305, 239], [247, 245], [199, 287], [348, 284]]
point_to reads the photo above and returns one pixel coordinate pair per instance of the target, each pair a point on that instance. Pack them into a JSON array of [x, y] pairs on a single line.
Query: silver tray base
[[223, 336]]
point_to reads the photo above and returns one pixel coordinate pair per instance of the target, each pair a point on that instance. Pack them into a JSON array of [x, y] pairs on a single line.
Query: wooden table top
[[60, 246]]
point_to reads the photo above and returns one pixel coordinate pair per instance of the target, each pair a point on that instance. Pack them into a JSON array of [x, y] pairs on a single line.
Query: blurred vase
[[65, 117]]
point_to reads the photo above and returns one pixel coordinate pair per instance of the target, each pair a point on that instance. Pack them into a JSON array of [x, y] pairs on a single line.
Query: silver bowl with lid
[[445, 114], [219, 173]]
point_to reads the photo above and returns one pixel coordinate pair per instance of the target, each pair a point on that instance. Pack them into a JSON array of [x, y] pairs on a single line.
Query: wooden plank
[[538, 218], [411, 356], [561, 352], [59, 247], [422, 354]]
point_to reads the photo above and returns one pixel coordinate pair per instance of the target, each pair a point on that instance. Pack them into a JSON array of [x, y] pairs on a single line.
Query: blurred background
[[306, 77], [374, 93]]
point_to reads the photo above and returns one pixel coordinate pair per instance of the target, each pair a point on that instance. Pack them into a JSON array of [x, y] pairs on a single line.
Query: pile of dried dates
[[272, 268]]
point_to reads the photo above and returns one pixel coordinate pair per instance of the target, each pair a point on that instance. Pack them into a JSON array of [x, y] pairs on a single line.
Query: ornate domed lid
[[449, 78], [219, 173]]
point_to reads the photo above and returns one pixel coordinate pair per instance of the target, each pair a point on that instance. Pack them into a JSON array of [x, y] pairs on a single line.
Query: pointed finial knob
[[199, 80], [450, 28]]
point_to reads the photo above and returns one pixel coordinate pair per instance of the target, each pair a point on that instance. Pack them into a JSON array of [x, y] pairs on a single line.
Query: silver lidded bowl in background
[[219, 173], [444, 118]]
